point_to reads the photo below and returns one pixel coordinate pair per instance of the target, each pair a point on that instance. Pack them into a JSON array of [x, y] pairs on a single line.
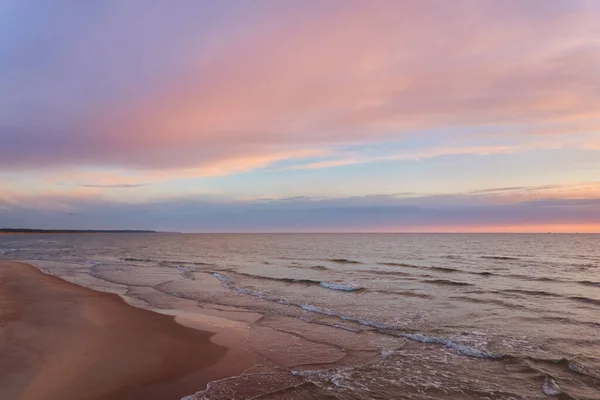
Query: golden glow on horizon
[[514, 228]]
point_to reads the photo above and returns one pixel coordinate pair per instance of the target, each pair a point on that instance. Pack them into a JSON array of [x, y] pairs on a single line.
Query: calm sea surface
[[365, 316]]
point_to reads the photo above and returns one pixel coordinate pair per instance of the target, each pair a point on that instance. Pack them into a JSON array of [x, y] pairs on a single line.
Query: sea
[[362, 316]]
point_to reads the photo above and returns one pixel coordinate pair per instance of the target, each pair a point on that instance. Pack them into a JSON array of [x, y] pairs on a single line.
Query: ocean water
[[363, 316]]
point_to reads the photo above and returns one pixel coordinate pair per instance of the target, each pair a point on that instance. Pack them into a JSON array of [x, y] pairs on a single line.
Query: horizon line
[[39, 230]]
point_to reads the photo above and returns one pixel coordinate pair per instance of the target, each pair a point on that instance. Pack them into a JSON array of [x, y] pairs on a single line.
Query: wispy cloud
[[415, 155], [290, 77], [543, 208], [262, 101], [115, 186]]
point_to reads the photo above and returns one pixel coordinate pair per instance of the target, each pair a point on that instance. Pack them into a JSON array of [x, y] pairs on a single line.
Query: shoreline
[[60, 340]]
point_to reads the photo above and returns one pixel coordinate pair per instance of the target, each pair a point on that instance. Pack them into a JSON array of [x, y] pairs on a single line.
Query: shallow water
[[353, 316]]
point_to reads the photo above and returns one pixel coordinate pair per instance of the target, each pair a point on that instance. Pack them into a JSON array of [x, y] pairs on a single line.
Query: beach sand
[[61, 341]]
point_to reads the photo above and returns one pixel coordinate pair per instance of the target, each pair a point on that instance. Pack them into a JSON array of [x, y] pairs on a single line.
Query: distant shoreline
[[30, 231]]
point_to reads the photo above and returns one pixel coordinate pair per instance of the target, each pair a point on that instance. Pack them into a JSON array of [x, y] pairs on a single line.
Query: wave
[[487, 301], [404, 293], [314, 267], [381, 328], [377, 272], [544, 293], [340, 286], [346, 328], [563, 320], [534, 278], [318, 310], [310, 282], [445, 269], [428, 268], [149, 260], [450, 344], [532, 292], [285, 280], [448, 270], [572, 365], [138, 259], [276, 279], [505, 258], [447, 282], [589, 283], [393, 264], [547, 369], [343, 261], [587, 300], [566, 365], [167, 262], [226, 281]]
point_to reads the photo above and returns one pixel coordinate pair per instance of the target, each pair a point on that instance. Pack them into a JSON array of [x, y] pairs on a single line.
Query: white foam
[[339, 286], [336, 376], [318, 310], [225, 279], [393, 330], [460, 348], [386, 353], [185, 271], [550, 387]]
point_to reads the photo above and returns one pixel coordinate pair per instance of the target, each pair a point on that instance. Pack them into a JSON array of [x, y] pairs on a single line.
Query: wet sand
[[62, 341]]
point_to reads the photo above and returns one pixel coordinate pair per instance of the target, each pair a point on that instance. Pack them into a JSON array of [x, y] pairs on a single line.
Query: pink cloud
[[298, 78]]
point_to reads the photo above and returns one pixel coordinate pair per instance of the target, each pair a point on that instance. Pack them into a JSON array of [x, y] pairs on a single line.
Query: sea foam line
[[339, 286], [382, 328], [327, 285]]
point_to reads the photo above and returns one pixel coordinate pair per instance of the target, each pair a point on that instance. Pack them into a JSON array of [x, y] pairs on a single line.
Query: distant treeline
[[20, 230]]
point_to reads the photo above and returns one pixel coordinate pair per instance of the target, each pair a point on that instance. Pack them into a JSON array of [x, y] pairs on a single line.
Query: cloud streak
[[340, 73], [114, 186], [495, 209]]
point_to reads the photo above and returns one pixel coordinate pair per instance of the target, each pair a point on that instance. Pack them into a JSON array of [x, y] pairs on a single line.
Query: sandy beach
[[62, 341]]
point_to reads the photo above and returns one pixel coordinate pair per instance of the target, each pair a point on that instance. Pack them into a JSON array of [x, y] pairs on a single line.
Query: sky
[[300, 116]]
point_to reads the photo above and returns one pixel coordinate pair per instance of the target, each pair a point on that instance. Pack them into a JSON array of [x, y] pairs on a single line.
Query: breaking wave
[[458, 347], [164, 262], [381, 328]]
